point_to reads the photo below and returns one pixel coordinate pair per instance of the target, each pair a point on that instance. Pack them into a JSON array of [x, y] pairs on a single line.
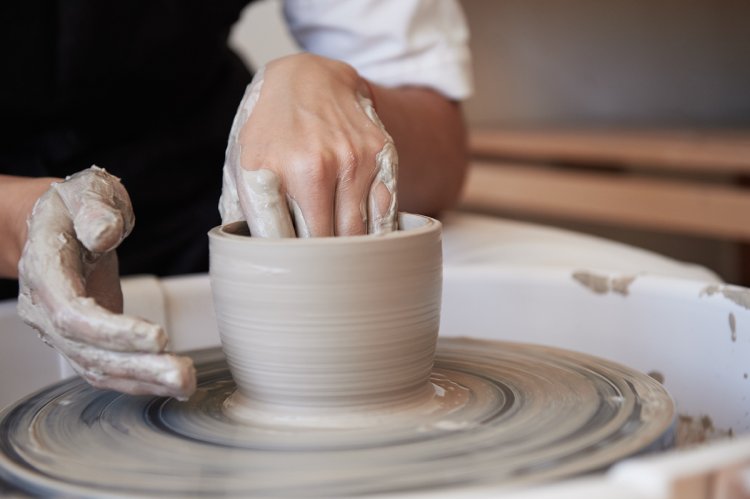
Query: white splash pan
[[519, 282]]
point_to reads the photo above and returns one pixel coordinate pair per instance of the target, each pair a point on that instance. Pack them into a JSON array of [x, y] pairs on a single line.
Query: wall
[[589, 63], [623, 62]]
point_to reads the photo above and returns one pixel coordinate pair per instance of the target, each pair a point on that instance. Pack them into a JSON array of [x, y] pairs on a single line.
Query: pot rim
[[227, 232]]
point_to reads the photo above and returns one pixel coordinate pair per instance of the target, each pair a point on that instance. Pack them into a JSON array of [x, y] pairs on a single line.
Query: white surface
[[514, 281], [403, 42], [662, 325], [472, 240], [661, 475]]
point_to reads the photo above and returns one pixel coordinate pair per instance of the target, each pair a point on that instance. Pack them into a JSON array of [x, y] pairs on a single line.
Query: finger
[[351, 206], [264, 204], [300, 225], [136, 374], [137, 387], [99, 206], [80, 318], [229, 203], [85, 320], [314, 196], [358, 168], [382, 200]]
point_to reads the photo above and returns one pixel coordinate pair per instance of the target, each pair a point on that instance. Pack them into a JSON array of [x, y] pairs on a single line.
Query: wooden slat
[[707, 210], [696, 151]]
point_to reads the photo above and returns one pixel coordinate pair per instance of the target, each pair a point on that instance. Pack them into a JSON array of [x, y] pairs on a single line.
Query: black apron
[[146, 89]]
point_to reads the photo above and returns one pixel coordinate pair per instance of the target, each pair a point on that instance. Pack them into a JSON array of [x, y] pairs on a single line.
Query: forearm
[[17, 198], [430, 137]]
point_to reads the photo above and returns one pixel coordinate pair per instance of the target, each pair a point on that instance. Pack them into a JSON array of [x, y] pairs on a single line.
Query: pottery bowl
[[321, 326]]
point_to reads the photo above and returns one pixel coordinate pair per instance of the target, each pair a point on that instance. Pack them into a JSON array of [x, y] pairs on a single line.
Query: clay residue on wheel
[[733, 326], [692, 430], [657, 375], [736, 294], [602, 284]]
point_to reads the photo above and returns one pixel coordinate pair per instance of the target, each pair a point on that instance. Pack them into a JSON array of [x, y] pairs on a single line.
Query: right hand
[[308, 155], [70, 290]]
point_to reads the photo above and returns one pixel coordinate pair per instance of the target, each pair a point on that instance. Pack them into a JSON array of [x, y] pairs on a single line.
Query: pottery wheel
[[531, 414]]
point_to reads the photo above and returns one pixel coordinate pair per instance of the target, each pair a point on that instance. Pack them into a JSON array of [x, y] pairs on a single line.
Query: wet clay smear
[[697, 430], [602, 284]]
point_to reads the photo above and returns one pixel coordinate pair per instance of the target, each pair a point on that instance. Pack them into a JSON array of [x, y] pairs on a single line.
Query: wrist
[[315, 72], [17, 198]]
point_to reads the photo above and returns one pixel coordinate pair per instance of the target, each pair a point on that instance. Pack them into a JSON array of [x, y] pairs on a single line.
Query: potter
[[306, 148], [320, 328]]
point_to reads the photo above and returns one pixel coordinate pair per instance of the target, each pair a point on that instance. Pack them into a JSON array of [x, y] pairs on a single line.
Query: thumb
[[229, 204], [99, 206]]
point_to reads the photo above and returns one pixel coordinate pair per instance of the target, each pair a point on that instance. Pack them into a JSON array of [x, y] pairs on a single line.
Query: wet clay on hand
[[309, 159], [70, 290]]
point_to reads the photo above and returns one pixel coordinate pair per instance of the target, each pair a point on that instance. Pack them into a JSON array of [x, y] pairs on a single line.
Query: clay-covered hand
[[70, 290], [308, 155]]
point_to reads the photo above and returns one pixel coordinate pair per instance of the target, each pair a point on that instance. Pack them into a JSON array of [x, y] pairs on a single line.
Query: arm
[[429, 134], [17, 198]]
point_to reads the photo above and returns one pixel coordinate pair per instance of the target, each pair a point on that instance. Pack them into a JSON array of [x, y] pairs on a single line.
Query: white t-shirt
[[390, 42]]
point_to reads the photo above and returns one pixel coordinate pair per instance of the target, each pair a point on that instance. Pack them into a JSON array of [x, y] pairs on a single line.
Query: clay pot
[[322, 328]]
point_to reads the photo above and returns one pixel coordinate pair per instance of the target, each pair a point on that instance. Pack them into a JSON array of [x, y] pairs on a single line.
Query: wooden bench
[[682, 182]]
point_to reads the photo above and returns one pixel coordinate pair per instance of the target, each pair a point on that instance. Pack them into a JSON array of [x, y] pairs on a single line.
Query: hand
[[70, 290], [306, 141]]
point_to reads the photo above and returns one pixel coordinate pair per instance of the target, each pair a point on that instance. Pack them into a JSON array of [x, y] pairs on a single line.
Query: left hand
[[70, 290], [307, 155]]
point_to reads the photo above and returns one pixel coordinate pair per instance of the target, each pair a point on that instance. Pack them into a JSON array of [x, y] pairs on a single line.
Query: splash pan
[[527, 414]]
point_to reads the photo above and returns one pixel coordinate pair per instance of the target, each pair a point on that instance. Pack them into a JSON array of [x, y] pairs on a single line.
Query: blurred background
[[628, 120]]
